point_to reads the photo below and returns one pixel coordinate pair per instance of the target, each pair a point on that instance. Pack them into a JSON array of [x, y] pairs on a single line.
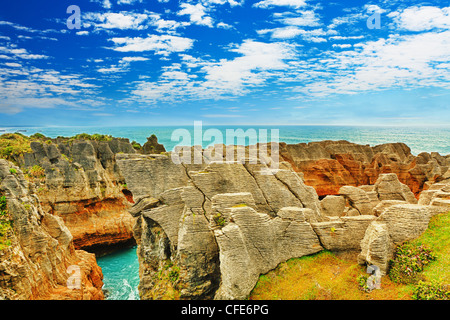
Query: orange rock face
[[329, 165], [97, 222]]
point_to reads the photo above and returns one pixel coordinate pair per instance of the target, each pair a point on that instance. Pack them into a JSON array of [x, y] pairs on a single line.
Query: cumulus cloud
[[256, 64], [400, 61], [197, 14], [283, 3], [422, 18], [160, 44]]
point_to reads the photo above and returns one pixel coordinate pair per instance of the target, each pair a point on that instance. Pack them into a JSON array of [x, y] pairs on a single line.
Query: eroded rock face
[[330, 165], [82, 184], [34, 263], [399, 222], [209, 230], [218, 225]]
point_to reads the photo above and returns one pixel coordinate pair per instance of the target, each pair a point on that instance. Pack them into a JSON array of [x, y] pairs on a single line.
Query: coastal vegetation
[[5, 225], [420, 270]]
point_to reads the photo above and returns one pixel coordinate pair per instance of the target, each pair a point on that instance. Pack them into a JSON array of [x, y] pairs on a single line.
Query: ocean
[[120, 269]]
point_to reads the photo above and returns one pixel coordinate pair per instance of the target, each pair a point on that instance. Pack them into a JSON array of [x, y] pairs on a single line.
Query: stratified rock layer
[[38, 255], [82, 184], [219, 225], [330, 165]]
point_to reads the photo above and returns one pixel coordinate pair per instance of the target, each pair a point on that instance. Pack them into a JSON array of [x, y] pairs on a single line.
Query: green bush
[[37, 172], [219, 219], [431, 291], [409, 260], [95, 136], [5, 224], [362, 282], [12, 171]]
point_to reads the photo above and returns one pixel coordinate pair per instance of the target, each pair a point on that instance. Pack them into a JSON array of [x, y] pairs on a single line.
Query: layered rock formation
[[79, 181], [208, 230], [330, 165], [218, 226], [402, 222], [38, 259]]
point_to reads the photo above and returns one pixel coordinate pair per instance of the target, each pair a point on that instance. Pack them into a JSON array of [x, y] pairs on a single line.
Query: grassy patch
[[409, 261], [325, 276], [437, 238], [13, 145], [5, 225], [322, 276]]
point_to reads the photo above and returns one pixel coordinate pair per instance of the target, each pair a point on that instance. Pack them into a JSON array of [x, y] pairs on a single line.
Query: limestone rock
[[344, 233], [383, 205], [330, 165], [332, 206], [376, 247], [253, 243], [34, 264], [152, 146], [388, 187], [405, 221], [357, 199]]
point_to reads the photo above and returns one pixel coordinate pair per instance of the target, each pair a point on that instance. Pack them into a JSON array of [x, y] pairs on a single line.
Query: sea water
[[121, 268], [120, 274]]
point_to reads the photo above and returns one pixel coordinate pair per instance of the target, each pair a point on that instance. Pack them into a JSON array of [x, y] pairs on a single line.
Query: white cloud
[[284, 3], [128, 1], [133, 59], [112, 69], [197, 14], [411, 61], [306, 18], [232, 3], [256, 64], [422, 18], [21, 53], [82, 33], [342, 46], [120, 20], [13, 64], [224, 26], [160, 44], [346, 37], [314, 35], [105, 3]]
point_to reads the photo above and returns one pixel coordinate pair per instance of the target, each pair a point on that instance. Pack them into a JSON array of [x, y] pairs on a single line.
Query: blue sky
[[169, 62]]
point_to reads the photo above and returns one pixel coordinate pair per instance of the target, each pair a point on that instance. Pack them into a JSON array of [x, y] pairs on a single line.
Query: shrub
[[219, 219], [409, 260], [431, 291], [13, 145], [12, 171], [95, 136], [5, 224], [362, 282], [37, 172], [38, 135], [136, 145]]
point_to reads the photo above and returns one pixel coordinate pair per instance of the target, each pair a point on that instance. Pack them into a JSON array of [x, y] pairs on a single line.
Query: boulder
[[332, 206]]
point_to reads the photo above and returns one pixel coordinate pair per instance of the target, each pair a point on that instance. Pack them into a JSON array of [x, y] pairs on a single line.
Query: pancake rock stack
[[38, 259]]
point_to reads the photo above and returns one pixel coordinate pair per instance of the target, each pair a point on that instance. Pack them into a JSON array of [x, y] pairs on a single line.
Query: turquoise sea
[[120, 269]]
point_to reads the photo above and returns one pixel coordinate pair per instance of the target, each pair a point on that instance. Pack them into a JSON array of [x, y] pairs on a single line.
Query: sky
[[173, 62]]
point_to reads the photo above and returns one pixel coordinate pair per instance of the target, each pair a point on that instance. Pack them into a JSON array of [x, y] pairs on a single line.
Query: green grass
[[13, 145], [325, 276], [437, 238], [5, 225]]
